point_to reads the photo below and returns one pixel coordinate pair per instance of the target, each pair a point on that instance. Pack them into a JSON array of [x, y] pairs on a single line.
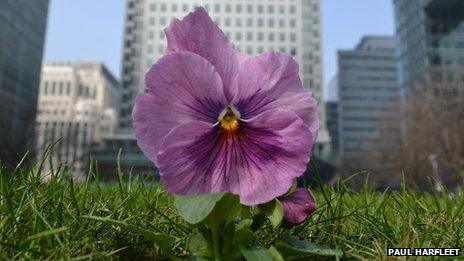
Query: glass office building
[[22, 32], [430, 41]]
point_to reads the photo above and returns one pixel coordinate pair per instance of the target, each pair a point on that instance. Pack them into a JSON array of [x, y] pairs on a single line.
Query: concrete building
[[368, 98], [332, 118], [291, 26], [78, 103], [22, 32], [430, 40]]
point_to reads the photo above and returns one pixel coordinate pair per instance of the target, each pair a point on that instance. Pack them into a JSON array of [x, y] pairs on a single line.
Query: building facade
[[368, 99], [291, 26], [332, 118], [77, 108], [430, 41], [22, 31]]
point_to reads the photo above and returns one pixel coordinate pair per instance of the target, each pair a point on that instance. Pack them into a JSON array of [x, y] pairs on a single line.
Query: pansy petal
[[297, 207], [181, 87], [197, 33], [269, 81], [258, 162], [276, 150]]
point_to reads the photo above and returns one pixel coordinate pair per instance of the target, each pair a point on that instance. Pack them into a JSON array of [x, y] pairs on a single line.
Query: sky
[[93, 29]]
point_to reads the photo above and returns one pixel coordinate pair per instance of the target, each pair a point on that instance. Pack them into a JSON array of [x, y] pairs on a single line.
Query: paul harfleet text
[[423, 251]]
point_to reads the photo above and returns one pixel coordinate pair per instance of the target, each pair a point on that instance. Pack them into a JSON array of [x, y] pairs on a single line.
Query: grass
[[46, 220]]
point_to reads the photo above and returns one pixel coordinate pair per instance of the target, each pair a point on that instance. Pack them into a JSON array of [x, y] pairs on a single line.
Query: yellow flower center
[[229, 121]]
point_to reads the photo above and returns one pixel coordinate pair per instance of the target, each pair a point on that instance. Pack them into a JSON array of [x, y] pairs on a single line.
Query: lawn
[[49, 220]]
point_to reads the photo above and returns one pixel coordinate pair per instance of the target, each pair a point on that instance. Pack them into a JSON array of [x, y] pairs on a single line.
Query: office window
[[164, 7], [161, 35], [207, 7], [292, 23], [185, 7], [281, 9], [60, 90], [260, 49], [260, 22], [270, 37], [53, 87], [150, 49], [282, 49], [151, 34], [292, 9], [281, 23], [228, 8], [153, 7], [238, 8], [270, 22], [227, 21], [163, 20], [45, 88], [249, 36], [260, 36], [293, 37], [282, 36], [217, 8], [238, 22], [260, 9], [249, 22], [152, 21], [174, 7], [249, 50], [238, 36], [250, 8], [270, 9]]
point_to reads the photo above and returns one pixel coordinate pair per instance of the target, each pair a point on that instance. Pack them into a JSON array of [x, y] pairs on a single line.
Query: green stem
[[216, 244]]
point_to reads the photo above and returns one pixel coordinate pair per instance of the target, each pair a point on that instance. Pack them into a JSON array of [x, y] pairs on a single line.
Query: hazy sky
[[93, 29]]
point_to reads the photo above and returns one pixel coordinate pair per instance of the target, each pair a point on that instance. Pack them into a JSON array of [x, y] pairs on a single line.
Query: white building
[[291, 26], [78, 103]]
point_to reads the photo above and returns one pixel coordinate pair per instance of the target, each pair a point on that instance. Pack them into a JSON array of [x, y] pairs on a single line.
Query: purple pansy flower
[[297, 207], [215, 120]]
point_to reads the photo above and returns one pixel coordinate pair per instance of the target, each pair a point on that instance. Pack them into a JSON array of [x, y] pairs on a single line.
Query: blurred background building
[[331, 110], [430, 42], [254, 27], [368, 98], [78, 103], [22, 32]]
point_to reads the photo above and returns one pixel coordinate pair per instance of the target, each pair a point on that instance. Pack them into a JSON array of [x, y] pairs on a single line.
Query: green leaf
[[225, 210], [199, 248], [274, 212], [216, 208], [276, 256], [256, 254], [243, 236], [258, 221], [245, 223], [293, 246], [194, 209], [164, 241]]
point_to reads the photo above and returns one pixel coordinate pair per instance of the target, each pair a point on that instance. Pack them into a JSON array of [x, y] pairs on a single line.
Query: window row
[[227, 8], [64, 88], [237, 22]]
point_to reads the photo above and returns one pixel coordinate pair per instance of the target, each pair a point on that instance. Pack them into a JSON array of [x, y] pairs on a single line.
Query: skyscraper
[[22, 31], [430, 40], [332, 117], [291, 26], [368, 98], [78, 103]]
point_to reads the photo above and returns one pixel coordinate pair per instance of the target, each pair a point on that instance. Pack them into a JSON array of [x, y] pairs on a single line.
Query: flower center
[[229, 120]]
